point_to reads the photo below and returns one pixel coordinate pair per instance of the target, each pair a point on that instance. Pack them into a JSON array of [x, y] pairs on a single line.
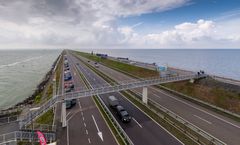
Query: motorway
[[83, 120], [142, 130], [217, 125]]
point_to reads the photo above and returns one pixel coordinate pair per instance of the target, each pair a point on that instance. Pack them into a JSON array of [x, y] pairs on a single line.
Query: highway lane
[[81, 127], [141, 130], [217, 125]]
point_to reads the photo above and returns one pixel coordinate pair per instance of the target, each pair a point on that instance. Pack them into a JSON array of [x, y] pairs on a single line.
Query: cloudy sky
[[119, 24]]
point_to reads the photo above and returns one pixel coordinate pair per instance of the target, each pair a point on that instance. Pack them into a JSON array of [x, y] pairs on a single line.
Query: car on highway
[[67, 77], [68, 84], [123, 114], [70, 103], [66, 68], [73, 102], [96, 64], [68, 89], [66, 65], [113, 101]]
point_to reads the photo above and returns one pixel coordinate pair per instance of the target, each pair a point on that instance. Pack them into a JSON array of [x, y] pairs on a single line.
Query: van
[[113, 101]]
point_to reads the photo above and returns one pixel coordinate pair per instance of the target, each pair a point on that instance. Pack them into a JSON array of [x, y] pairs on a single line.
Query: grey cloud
[[82, 22]]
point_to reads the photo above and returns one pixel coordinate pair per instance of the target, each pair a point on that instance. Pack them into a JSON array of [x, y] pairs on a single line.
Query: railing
[[211, 139], [189, 129], [10, 109], [8, 119], [103, 90], [40, 127], [128, 85], [24, 136], [34, 114]]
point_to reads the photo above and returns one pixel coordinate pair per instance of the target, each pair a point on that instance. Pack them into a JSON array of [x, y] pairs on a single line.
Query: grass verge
[[222, 98], [46, 118], [175, 131], [135, 70], [105, 115]]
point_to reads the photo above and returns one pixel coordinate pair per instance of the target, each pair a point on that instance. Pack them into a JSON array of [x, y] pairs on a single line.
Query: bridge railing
[[103, 90], [8, 119], [34, 114], [40, 127], [24, 136], [129, 85]]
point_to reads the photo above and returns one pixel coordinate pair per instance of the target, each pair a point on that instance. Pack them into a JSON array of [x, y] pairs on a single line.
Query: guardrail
[[24, 136], [34, 114], [200, 102], [8, 119], [103, 90], [40, 127], [114, 121], [116, 125], [226, 80], [128, 85], [200, 136]]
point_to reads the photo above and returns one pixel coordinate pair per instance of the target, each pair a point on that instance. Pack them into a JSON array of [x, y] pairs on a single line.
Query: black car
[[70, 103], [123, 114], [73, 102], [66, 69]]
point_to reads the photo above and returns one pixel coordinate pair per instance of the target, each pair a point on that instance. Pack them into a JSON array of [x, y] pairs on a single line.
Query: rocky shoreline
[[29, 100]]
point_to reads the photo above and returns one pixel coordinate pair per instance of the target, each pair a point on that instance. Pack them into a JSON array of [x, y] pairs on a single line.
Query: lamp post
[[31, 110]]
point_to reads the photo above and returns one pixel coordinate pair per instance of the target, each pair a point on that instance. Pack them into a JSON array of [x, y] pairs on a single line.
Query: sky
[[119, 24]]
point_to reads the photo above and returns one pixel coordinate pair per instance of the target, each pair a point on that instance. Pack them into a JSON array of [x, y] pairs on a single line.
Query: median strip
[[115, 128], [172, 124]]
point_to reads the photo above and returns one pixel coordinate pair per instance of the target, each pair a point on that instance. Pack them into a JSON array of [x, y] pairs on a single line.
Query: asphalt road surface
[[84, 121], [141, 130], [225, 129]]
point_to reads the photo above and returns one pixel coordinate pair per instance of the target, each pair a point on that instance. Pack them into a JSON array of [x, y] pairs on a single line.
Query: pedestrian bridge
[[104, 90], [121, 86]]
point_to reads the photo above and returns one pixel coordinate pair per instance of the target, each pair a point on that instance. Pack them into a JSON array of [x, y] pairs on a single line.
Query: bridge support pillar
[[63, 115], [144, 95]]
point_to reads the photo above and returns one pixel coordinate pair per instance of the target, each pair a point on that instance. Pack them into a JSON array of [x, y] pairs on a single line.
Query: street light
[[31, 110]]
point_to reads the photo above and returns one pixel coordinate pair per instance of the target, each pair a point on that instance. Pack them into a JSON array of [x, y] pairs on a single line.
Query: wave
[[19, 62]]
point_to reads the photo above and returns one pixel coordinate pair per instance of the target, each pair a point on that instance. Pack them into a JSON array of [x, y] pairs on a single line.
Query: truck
[[113, 101]]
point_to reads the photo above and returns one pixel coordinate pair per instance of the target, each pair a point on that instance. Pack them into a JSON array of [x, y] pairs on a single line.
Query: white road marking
[[99, 132], [67, 134], [83, 118], [85, 124], [79, 105], [68, 114], [156, 95], [203, 119], [86, 131], [137, 122], [89, 141], [82, 113], [199, 109]]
